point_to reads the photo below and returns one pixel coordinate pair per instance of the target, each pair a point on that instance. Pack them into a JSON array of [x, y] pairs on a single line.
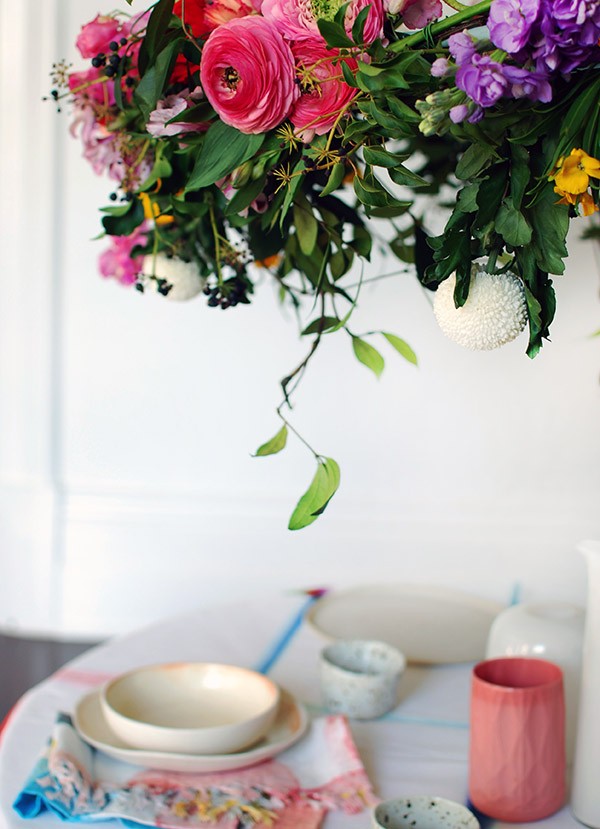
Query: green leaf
[[336, 177], [244, 197], [467, 198], [275, 445], [402, 347], [474, 159], [512, 225], [152, 41], [348, 74], [321, 325], [334, 35], [550, 223], [307, 227], [380, 157], [323, 487], [224, 149], [368, 356], [124, 223], [358, 27], [403, 176], [150, 87], [162, 169]]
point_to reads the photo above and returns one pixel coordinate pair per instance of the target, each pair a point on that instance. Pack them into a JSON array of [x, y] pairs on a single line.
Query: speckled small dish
[[360, 677], [423, 812]]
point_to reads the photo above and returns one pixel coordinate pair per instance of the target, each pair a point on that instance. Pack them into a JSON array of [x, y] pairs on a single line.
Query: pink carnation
[[325, 94], [296, 19], [117, 263], [248, 74], [416, 14]]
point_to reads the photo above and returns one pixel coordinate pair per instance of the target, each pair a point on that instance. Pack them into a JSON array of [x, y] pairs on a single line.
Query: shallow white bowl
[[190, 707]]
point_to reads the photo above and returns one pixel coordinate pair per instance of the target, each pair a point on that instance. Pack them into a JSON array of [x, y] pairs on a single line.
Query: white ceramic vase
[[585, 799], [545, 630]]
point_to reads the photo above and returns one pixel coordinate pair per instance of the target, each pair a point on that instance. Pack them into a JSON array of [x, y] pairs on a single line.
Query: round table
[[419, 748]]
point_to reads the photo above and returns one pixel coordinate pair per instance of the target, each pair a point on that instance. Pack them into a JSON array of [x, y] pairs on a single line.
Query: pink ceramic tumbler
[[517, 748]]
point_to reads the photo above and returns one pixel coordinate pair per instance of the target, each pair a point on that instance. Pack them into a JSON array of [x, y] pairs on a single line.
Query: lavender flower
[[510, 23]]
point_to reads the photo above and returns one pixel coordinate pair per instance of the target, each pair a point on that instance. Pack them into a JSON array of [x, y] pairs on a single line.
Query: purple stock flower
[[567, 34], [510, 23], [458, 113], [525, 84], [483, 80], [462, 47], [439, 68]]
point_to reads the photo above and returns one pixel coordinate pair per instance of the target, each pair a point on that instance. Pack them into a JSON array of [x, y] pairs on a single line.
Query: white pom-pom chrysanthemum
[[494, 313], [184, 278]]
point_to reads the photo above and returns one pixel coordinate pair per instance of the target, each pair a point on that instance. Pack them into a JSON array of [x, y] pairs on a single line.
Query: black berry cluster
[[111, 61], [229, 293]]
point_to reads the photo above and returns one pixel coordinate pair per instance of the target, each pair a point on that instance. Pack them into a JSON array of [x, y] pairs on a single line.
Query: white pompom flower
[[494, 314], [182, 279]]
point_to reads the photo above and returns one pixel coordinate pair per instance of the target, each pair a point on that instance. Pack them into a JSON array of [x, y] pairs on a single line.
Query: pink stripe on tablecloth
[[9, 717], [87, 678]]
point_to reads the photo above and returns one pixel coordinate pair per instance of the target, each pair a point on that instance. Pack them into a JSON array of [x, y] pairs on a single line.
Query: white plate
[[290, 724], [428, 624]]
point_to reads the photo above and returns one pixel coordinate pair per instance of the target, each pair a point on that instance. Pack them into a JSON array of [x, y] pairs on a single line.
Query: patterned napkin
[[321, 772]]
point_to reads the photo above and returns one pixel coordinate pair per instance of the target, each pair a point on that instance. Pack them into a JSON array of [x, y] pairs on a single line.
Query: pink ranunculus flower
[[116, 262], [296, 19], [416, 14], [325, 94], [248, 74], [95, 36]]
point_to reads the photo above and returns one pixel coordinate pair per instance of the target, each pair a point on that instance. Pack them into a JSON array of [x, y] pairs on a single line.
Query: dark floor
[[25, 662]]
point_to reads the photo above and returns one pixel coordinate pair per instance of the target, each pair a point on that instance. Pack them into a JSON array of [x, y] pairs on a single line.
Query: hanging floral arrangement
[[274, 134]]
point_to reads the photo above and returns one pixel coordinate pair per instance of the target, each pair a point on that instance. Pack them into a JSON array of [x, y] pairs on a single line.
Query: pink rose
[[95, 36], [117, 263], [248, 74], [325, 94], [296, 19], [416, 14]]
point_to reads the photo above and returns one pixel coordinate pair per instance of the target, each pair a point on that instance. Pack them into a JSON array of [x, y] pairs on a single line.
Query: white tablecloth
[[420, 748]]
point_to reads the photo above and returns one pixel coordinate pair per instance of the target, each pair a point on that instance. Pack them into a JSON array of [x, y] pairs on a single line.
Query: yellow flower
[[587, 204], [152, 211], [573, 173]]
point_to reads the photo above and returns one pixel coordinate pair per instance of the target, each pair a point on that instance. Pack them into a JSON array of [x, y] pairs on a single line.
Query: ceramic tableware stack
[[187, 716]]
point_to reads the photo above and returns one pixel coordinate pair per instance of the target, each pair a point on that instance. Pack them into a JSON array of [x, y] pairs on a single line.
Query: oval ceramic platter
[[290, 724], [430, 625]]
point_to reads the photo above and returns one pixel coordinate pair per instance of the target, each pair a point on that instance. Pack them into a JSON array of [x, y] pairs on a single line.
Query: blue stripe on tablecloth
[[281, 642], [485, 822]]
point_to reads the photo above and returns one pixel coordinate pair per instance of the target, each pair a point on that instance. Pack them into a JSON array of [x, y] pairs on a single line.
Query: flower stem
[[466, 15]]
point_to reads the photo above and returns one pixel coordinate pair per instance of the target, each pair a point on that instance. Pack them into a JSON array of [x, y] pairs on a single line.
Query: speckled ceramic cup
[[360, 678], [423, 812]]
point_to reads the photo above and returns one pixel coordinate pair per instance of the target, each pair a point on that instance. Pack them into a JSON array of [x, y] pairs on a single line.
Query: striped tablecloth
[[419, 748]]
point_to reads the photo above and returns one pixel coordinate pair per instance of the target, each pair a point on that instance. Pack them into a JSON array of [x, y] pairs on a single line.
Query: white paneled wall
[[127, 422]]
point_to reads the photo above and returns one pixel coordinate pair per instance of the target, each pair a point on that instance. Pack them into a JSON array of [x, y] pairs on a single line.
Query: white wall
[[127, 422]]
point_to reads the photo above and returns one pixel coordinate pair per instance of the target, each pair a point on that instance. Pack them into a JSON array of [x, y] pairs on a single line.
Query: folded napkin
[[321, 772]]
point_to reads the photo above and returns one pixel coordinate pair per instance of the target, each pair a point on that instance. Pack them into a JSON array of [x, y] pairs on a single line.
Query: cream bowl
[[190, 707]]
